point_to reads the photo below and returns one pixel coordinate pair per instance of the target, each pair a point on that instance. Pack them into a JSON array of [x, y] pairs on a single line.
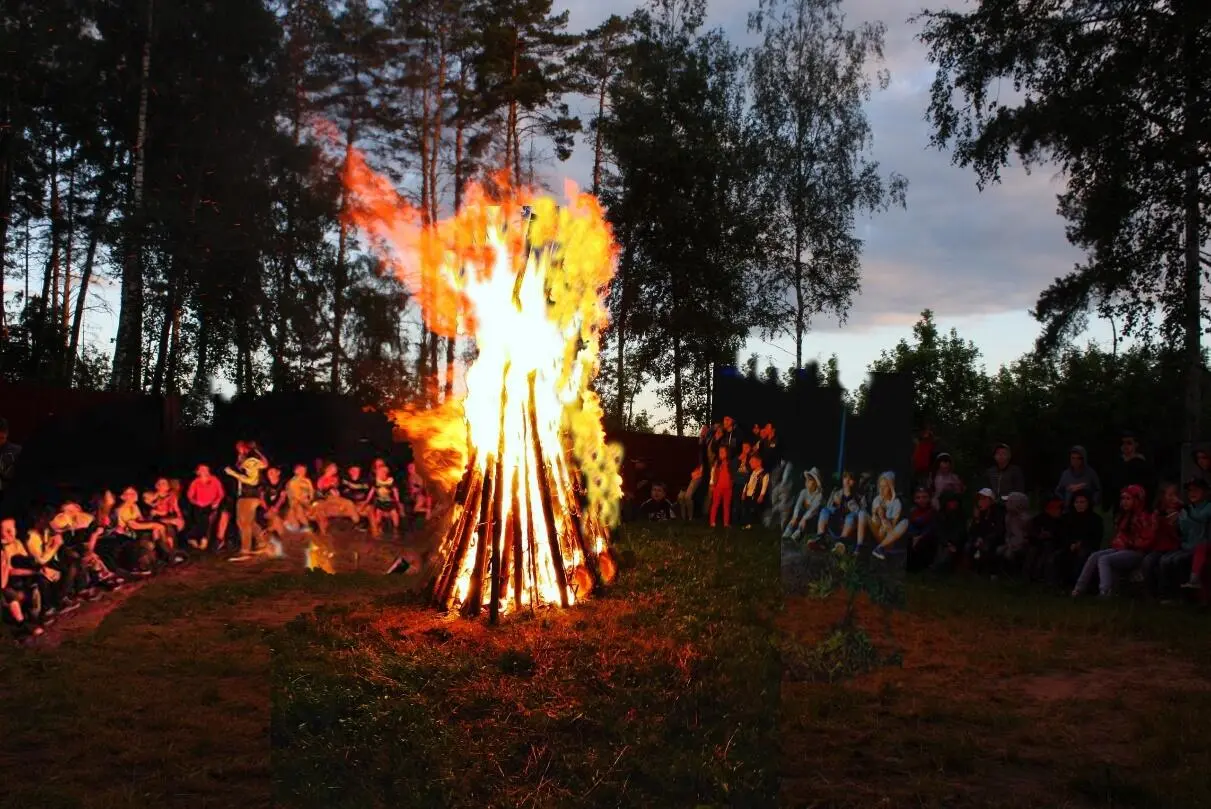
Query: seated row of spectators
[[81, 550]]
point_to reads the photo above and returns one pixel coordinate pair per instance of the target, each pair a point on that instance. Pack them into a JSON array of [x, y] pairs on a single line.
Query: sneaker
[[1194, 584], [241, 557], [140, 574], [878, 553], [68, 607]]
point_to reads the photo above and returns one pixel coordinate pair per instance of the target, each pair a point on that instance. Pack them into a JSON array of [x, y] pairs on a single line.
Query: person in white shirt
[[807, 506], [886, 522], [755, 495]]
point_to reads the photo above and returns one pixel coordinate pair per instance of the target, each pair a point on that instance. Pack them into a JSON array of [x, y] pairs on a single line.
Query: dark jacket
[[1084, 529], [1004, 481]]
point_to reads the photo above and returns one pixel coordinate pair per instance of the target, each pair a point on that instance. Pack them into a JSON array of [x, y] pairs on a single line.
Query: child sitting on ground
[[210, 519], [356, 490], [985, 533], [139, 530], [951, 532], [418, 497], [807, 506], [1011, 554], [273, 499], [384, 501], [885, 521], [922, 530], [165, 508], [781, 498], [839, 519], [657, 508], [75, 525], [19, 583], [332, 504], [300, 499]]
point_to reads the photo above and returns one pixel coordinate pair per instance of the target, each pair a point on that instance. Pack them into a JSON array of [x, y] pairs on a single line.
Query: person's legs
[[1088, 570], [1173, 569], [1198, 566], [1150, 566], [727, 509], [1115, 562], [245, 520]]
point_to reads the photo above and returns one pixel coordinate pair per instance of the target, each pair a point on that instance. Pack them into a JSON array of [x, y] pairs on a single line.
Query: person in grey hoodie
[[1078, 477]]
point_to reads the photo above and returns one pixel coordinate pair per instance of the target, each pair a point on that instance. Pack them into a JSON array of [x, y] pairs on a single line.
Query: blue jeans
[[1105, 563]]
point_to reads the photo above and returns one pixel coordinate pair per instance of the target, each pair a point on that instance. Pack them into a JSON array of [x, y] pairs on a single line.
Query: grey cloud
[[955, 250]]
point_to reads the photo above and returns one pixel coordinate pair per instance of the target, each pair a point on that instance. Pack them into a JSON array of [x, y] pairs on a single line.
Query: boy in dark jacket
[[950, 530], [985, 533], [1046, 530]]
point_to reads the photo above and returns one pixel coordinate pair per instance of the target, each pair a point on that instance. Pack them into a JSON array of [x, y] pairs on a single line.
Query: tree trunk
[[678, 405], [1192, 344], [50, 302], [68, 241], [174, 352], [513, 158], [100, 213], [460, 132], [800, 303], [7, 139], [438, 120], [128, 345], [598, 138], [451, 345], [170, 305], [620, 331], [341, 275]]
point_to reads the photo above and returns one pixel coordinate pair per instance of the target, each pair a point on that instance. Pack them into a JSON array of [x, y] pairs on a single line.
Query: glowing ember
[[526, 279]]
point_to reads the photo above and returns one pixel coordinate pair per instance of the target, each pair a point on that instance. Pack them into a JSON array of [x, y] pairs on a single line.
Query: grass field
[[1008, 697], [662, 693], [226, 686]]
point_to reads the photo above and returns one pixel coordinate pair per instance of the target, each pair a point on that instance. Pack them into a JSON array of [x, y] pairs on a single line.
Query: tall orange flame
[[527, 279]]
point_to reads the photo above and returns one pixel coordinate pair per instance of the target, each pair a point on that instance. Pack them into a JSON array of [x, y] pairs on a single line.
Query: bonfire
[[535, 487]]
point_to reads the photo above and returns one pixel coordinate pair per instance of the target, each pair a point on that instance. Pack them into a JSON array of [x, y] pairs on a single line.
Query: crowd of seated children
[[78, 553]]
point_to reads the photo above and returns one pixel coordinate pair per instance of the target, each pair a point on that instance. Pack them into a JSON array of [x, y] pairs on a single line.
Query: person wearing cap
[[1079, 476], [986, 532], [1003, 477], [944, 479], [250, 464]]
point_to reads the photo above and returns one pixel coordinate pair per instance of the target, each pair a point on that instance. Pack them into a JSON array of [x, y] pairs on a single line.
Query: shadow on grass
[[661, 692]]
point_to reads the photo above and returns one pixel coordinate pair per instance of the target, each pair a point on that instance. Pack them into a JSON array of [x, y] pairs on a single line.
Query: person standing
[[1078, 477], [1133, 469], [249, 465], [1004, 477]]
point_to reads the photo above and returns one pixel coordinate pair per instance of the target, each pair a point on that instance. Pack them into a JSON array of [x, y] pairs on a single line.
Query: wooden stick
[[461, 540], [515, 547], [498, 523], [473, 604], [531, 538], [544, 494]]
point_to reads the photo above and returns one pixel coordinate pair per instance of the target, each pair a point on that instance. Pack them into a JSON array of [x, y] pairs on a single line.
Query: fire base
[[508, 558]]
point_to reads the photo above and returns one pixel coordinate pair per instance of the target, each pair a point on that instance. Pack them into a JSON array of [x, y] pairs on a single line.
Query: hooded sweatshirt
[[1193, 524], [1092, 484], [807, 506], [1017, 521], [892, 508], [1135, 530]]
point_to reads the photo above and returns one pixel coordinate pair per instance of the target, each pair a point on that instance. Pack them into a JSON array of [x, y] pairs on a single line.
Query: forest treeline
[[187, 157]]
